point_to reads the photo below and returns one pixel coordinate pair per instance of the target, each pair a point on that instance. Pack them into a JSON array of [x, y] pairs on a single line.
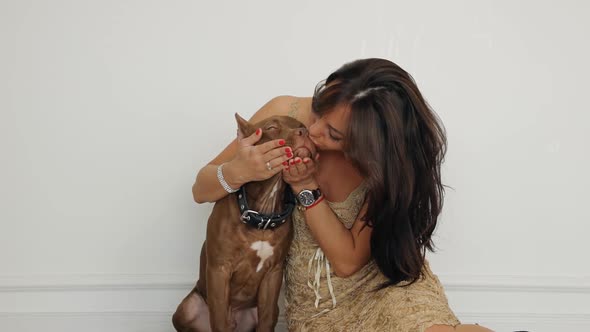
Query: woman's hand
[[252, 162], [300, 173]]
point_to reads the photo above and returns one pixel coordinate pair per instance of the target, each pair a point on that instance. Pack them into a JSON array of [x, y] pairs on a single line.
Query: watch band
[[315, 203], [307, 197]]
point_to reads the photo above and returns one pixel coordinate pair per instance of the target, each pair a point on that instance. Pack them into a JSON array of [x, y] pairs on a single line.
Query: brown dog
[[248, 236]]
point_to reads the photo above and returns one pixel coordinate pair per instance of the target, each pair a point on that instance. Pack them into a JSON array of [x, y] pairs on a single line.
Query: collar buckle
[[245, 217]]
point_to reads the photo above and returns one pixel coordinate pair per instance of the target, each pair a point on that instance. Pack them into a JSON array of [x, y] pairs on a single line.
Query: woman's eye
[[334, 138]]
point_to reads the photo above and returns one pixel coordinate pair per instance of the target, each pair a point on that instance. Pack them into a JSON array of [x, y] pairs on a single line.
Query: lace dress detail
[[318, 300]]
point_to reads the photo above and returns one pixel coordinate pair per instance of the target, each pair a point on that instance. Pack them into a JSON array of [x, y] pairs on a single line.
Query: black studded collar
[[265, 221]]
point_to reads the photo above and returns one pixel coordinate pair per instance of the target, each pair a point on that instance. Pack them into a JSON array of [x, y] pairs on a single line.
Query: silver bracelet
[[222, 180]]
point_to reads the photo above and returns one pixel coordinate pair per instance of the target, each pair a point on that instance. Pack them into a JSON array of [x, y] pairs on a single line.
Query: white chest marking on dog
[[274, 190], [263, 250]]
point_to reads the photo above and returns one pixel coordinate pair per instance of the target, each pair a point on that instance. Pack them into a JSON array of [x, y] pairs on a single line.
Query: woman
[[357, 258]]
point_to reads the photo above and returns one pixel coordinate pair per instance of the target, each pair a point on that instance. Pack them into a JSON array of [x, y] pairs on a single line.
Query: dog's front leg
[[218, 298], [268, 297]]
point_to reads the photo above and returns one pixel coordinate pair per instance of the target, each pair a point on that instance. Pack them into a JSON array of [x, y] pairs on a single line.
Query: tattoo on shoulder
[[293, 109]]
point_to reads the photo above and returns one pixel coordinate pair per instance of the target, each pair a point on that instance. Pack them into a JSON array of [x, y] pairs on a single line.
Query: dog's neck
[[266, 196]]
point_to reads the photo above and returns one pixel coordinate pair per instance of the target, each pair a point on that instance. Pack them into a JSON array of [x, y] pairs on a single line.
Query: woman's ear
[[245, 129]]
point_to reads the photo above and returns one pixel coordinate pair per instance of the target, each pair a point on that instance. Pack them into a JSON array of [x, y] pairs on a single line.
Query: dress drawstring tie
[[319, 259]]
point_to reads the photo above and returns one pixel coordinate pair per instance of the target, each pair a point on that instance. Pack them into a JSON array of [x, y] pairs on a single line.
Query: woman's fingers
[[274, 153], [280, 152], [299, 168], [264, 159], [250, 140], [293, 171], [277, 164], [270, 145], [305, 166], [277, 158]]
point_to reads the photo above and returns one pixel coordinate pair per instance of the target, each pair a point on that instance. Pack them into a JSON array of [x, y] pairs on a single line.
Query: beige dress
[[318, 300]]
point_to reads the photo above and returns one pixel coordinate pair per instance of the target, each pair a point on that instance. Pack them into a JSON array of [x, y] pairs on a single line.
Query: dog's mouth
[[304, 148], [302, 152]]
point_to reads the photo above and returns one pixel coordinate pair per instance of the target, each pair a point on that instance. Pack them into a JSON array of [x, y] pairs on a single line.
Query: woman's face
[[327, 132]]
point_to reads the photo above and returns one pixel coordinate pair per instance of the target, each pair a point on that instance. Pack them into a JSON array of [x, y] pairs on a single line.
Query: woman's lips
[[312, 140]]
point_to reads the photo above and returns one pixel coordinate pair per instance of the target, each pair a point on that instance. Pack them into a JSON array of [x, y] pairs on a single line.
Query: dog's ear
[[245, 129]]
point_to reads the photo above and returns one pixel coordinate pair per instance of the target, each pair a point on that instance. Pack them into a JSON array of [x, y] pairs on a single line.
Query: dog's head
[[275, 127], [267, 196]]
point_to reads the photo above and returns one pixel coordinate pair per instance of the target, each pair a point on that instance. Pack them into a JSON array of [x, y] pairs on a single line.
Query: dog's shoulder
[[298, 108]]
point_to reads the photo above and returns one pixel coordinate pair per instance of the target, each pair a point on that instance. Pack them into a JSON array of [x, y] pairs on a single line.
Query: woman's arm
[[348, 250], [244, 162]]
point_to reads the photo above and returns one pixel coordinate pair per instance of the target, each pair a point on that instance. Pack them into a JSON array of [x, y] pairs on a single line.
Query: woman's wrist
[[232, 175], [321, 198], [310, 185]]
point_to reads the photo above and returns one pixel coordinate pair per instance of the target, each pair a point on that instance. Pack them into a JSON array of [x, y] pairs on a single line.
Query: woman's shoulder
[[295, 107]]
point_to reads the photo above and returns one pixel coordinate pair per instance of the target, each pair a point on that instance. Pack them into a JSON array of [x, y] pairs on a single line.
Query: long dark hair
[[397, 143]]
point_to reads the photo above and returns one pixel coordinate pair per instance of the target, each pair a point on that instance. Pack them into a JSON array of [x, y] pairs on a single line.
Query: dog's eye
[[271, 128]]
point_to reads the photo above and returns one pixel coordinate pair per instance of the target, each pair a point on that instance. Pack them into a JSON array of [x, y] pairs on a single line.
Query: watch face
[[306, 197]]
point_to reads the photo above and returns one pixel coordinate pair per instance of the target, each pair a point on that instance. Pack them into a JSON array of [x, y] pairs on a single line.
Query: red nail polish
[[305, 161], [282, 142], [285, 163], [292, 162], [298, 161], [258, 131], [288, 150], [287, 168], [289, 155]]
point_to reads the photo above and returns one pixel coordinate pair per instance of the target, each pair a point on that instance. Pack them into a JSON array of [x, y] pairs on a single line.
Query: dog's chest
[[259, 250], [263, 250]]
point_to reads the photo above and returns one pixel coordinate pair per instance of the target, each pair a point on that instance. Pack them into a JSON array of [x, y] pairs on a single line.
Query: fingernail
[[289, 155], [258, 131], [288, 150], [292, 161], [287, 168], [306, 160], [285, 163], [297, 160], [282, 142]]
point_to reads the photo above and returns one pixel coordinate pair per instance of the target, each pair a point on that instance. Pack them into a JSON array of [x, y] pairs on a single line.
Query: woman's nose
[[313, 130]]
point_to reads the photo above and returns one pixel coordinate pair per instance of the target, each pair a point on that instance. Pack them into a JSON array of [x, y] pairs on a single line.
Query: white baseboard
[[145, 302], [502, 283], [86, 321], [511, 283], [160, 322]]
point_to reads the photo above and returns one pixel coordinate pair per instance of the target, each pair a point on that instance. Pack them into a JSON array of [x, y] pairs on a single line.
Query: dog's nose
[[301, 132]]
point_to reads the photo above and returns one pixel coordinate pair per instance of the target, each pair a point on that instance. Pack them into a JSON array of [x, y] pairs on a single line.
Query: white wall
[[109, 108]]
